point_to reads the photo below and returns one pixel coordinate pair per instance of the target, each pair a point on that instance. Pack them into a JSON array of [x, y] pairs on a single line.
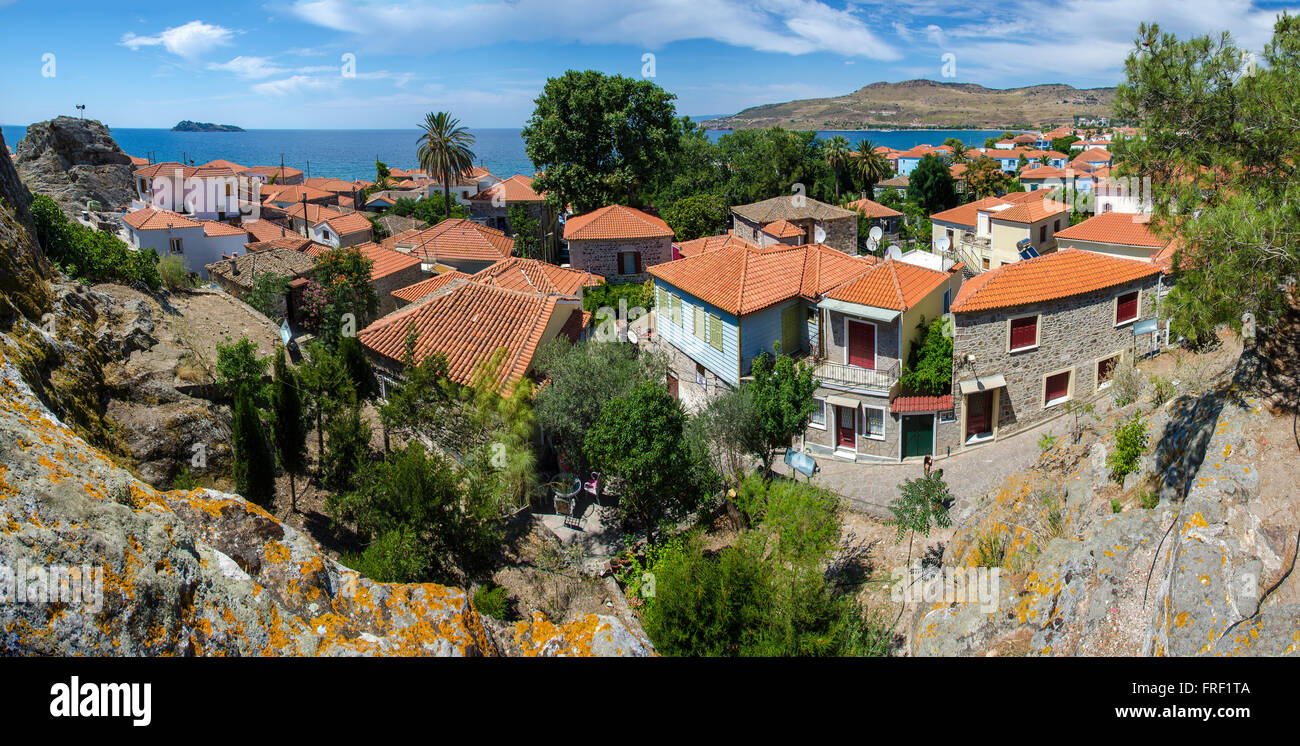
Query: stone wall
[[1074, 333], [693, 395], [601, 256], [384, 286]]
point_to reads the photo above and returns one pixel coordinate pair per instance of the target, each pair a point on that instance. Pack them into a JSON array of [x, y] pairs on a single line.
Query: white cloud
[[294, 84], [249, 67], [782, 26], [190, 41]]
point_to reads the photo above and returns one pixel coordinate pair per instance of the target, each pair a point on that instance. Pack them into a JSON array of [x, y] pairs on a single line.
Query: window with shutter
[[1106, 370], [1058, 389], [1024, 333], [1126, 308], [677, 308], [698, 321], [715, 332]]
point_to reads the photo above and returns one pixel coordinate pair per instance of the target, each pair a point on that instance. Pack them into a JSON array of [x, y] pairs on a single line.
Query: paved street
[[871, 487]]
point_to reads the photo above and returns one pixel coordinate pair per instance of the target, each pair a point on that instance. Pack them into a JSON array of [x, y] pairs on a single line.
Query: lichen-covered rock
[[207, 573], [74, 161]]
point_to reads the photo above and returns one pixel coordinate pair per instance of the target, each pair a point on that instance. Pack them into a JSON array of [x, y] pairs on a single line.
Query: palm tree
[[960, 151], [837, 156], [870, 167], [444, 150]]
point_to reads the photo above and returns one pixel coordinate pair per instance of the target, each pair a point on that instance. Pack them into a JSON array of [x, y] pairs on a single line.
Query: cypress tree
[[254, 465], [358, 368], [289, 427]]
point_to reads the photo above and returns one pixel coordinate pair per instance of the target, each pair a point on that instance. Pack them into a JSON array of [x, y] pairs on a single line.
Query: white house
[[204, 193], [197, 242]]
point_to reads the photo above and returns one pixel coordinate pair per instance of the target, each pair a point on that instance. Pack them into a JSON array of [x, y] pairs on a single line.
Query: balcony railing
[[880, 379]]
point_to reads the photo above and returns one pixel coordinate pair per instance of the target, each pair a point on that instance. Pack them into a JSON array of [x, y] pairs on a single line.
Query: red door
[[862, 345], [979, 413], [845, 423]]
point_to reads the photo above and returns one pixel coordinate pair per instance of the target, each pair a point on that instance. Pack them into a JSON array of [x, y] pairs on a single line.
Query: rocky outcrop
[[75, 161], [207, 573], [1185, 577]]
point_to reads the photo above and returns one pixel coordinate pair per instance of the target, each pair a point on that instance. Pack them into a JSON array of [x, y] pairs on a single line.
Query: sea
[[351, 154]]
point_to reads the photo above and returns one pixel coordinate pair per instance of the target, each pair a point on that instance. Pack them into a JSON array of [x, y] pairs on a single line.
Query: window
[[698, 321], [629, 262], [874, 423], [228, 188], [699, 376], [986, 262], [1126, 308], [1042, 233], [947, 300], [676, 308], [948, 415], [1024, 333], [1056, 389], [176, 246], [818, 419], [1106, 370], [1056, 226], [715, 332]]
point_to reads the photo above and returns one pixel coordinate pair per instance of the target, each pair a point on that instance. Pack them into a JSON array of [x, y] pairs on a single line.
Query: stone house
[[491, 207], [237, 275], [454, 243], [619, 243], [1034, 335], [821, 223], [887, 219], [392, 270]]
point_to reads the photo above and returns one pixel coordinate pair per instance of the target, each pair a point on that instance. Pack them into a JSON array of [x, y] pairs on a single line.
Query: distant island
[[929, 104], [188, 126]]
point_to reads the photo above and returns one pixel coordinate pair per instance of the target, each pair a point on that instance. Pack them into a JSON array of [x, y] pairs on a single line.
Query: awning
[[842, 401], [857, 309], [909, 404], [983, 383]]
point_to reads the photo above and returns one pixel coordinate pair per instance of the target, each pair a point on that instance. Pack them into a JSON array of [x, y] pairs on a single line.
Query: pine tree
[[289, 426], [254, 465]]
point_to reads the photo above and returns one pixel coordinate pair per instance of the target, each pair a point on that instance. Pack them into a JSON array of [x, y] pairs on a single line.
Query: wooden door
[[790, 329], [862, 345], [979, 413], [845, 426]]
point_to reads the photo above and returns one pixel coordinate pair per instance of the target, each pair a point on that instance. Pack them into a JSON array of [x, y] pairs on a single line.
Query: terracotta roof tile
[[454, 238], [968, 214], [1031, 210], [467, 322], [517, 188], [873, 209], [287, 262], [615, 221], [698, 246], [349, 224], [905, 404], [1118, 228], [890, 284], [518, 273], [217, 228], [151, 219], [386, 261], [265, 230], [1060, 274], [292, 241], [783, 229], [412, 293], [788, 208], [315, 214]]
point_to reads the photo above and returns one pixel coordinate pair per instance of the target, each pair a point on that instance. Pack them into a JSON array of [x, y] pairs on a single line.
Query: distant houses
[[818, 222]]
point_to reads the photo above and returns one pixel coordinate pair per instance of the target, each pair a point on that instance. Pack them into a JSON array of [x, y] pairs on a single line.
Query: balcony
[[881, 379]]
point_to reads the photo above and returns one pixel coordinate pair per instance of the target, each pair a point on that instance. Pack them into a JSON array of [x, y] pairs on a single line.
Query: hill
[[188, 126], [928, 104]]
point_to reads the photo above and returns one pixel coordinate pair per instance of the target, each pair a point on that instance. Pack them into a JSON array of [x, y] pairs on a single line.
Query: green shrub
[[608, 296], [1116, 506], [173, 273], [1045, 442], [1162, 389], [990, 551], [1130, 442], [1149, 499], [90, 255], [1125, 383], [494, 601], [267, 290]]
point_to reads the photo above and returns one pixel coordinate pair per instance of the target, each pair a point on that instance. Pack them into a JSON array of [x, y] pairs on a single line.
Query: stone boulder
[[74, 161]]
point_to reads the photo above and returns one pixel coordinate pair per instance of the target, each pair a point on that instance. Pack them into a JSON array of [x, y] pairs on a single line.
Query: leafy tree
[[1062, 144], [985, 177], [959, 150], [837, 150], [929, 363], [254, 464], [694, 167], [697, 216], [783, 397], [288, 425], [423, 398], [268, 288], [729, 429], [584, 378], [930, 185], [600, 139], [239, 367], [869, 167], [347, 442], [444, 151], [1219, 142], [344, 273], [427, 525], [774, 162], [921, 505], [527, 232], [358, 367], [639, 439]]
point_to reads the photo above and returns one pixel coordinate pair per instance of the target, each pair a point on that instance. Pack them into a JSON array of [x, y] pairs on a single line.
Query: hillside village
[[546, 389]]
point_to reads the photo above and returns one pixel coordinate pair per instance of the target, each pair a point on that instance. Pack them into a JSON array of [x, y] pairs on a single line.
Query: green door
[[790, 318], [918, 435]]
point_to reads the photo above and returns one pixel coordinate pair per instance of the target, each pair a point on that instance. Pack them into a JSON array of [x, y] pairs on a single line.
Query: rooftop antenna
[[80, 108]]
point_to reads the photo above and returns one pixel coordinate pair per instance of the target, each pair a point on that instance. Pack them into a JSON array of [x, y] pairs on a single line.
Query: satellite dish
[[820, 235], [875, 233], [894, 251], [871, 245], [944, 244]]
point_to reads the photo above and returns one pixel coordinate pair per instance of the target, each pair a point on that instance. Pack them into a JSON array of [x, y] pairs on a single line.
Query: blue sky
[[280, 64]]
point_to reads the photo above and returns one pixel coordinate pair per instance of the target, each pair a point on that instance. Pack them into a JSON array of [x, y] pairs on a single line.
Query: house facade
[[994, 231], [491, 207], [203, 193], [619, 243], [197, 242], [1034, 335], [821, 223]]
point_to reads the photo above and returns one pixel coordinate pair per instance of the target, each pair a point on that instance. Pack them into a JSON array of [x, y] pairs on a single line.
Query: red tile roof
[[315, 214], [783, 229], [1117, 228], [615, 221], [293, 193], [291, 241], [894, 285], [324, 183], [349, 224], [968, 214], [1060, 274], [873, 209], [150, 219], [517, 188], [276, 171], [218, 228], [467, 322], [905, 404], [518, 273], [1031, 210], [412, 293], [743, 280], [165, 168], [698, 246], [454, 238], [386, 261], [222, 163], [265, 230]]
